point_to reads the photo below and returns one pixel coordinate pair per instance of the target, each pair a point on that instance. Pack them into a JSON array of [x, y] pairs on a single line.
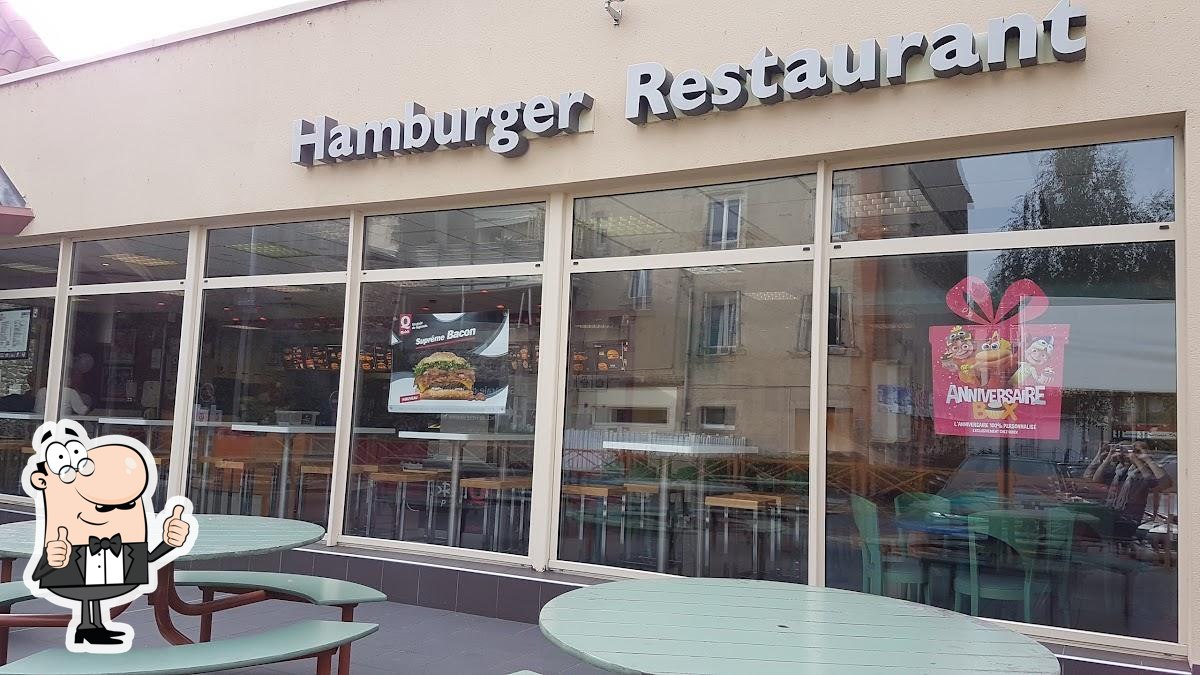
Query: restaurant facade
[[885, 298]]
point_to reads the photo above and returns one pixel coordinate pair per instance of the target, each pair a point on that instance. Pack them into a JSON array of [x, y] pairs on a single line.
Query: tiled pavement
[[410, 640]]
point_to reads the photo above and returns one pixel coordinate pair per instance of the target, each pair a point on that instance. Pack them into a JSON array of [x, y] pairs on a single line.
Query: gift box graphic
[[998, 374]]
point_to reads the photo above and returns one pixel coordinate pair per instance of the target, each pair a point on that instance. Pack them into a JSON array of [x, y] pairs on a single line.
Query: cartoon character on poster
[[98, 544], [998, 374]]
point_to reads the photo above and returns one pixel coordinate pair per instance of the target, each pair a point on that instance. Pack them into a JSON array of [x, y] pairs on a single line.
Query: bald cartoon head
[[90, 487]]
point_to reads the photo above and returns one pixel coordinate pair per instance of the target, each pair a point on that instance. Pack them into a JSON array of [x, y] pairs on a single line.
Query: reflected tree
[[1078, 187]]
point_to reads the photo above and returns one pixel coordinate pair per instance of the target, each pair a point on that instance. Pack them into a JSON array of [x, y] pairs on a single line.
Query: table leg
[[370, 503], [402, 504], [284, 470], [663, 502], [700, 515], [429, 503], [163, 595], [204, 484], [452, 525], [6, 567]]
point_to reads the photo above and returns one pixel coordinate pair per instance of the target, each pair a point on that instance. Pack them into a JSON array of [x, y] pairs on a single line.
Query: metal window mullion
[[27, 293], [58, 333], [986, 241], [453, 272], [343, 434], [186, 373], [257, 281], [739, 256], [818, 375], [1186, 596], [543, 510], [127, 287]]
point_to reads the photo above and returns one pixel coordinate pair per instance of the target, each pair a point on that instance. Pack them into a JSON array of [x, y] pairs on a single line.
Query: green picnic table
[[720, 626], [217, 536]]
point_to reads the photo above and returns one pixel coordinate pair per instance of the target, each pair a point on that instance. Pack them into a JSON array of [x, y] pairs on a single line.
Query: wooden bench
[[282, 586], [306, 639]]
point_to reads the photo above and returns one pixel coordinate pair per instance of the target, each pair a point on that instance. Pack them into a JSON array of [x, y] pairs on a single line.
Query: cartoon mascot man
[[92, 551]]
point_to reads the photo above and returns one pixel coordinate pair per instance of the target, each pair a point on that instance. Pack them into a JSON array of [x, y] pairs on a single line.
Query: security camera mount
[[613, 7]]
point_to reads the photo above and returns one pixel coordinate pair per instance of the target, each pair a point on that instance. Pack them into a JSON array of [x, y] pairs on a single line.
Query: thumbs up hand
[[176, 529], [58, 550]]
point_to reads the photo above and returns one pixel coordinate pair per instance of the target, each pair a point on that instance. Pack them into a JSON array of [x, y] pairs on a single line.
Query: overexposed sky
[[75, 29]]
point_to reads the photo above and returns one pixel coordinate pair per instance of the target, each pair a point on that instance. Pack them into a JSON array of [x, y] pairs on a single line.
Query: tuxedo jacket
[[136, 556]]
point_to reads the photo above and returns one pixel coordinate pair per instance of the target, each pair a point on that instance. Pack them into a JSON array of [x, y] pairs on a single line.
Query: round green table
[[719, 626], [217, 536]]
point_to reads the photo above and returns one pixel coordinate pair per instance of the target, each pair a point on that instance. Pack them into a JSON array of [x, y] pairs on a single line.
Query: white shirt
[[70, 402], [104, 567]]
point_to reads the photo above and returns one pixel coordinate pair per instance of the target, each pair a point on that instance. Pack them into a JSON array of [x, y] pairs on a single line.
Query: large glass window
[[29, 267], [266, 400], [25, 327], [1002, 435], [493, 234], [120, 368], [155, 257], [773, 212], [444, 412], [287, 248], [686, 442], [1109, 184]]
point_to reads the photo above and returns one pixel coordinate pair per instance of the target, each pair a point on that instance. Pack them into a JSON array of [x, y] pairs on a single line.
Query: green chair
[[1041, 543], [916, 507], [1057, 546], [879, 571]]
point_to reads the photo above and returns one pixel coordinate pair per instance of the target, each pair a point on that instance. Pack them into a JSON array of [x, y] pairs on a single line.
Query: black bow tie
[[96, 544]]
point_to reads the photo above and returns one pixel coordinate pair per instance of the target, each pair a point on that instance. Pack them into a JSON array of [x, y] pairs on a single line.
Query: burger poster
[[449, 363], [997, 374]]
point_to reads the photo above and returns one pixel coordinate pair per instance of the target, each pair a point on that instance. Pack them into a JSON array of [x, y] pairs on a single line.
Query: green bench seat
[[315, 590], [306, 639], [12, 592]]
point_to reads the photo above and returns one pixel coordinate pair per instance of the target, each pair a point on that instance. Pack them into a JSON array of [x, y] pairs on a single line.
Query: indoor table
[[216, 536], [149, 425], [665, 450], [456, 452], [285, 462], [736, 626]]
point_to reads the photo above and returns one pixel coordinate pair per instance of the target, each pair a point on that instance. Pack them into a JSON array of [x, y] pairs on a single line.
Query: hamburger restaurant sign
[[652, 91]]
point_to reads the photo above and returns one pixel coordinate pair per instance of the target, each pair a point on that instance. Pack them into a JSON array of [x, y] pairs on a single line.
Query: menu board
[[329, 358], [602, 357], [377, 359], [14, 333], [316, 357], [450, 363]]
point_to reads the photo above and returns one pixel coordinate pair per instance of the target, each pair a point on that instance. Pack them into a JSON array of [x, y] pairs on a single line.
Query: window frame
[[825, 249]]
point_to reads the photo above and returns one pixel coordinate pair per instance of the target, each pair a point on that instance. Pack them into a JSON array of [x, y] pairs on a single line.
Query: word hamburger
[[444, 376]]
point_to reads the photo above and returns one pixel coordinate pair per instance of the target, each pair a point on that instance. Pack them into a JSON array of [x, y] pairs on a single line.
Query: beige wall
[[201, 129]]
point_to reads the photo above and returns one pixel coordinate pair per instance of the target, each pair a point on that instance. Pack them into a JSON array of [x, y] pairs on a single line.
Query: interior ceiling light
[[714, 269], [268, 250], [290, 289], [239, 326], [335, 232], [886, 203], [139, 260], [771, 296], [28, 267], [625, 225]]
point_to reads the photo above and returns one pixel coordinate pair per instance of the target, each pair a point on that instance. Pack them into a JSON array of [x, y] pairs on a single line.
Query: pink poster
[[998, 374]]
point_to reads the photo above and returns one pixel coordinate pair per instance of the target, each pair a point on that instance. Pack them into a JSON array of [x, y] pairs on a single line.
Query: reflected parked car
[[976, 484]]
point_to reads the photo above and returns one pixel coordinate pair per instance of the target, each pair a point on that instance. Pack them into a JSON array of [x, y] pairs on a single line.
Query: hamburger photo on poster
[[447, 363]]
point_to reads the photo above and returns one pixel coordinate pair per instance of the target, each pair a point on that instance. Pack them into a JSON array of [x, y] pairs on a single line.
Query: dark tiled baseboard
[[501, 593]]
